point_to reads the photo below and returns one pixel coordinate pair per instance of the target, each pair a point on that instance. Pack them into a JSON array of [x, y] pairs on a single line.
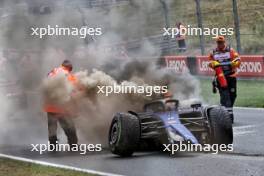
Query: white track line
[[248, 108], [244, 127], [244, 132], [57, 165]]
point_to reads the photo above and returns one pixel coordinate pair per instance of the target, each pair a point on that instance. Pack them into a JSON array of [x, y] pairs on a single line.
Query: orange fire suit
[[56, 114], [51, 108]]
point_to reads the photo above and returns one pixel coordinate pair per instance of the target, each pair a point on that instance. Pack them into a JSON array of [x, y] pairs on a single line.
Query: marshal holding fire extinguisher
[[225, 61]]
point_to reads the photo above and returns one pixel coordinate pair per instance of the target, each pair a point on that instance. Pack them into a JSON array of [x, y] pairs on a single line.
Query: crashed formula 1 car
[[164, 121]]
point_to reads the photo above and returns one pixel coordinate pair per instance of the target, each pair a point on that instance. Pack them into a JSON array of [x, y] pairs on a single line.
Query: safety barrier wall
[[251, 65]]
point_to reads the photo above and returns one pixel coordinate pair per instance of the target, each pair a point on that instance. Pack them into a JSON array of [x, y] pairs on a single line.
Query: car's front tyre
[[124, 134]]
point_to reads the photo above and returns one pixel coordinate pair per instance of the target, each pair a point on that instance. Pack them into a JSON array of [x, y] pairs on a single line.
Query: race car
[[165, 122]]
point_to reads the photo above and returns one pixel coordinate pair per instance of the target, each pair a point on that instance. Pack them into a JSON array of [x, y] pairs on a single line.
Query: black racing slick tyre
[[124, 134], [221, 131]]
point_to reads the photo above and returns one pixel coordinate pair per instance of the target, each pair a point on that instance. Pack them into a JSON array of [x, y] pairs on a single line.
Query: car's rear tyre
[[124, 134], [221, 126]]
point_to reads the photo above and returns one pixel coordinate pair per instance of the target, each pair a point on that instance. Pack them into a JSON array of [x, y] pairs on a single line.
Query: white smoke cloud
[[118, 26]]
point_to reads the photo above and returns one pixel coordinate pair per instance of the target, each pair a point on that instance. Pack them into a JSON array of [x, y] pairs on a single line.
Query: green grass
[[18, 168], [250, 93]]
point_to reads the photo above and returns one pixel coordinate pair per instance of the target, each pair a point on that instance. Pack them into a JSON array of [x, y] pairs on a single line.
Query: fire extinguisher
[[220, 76]]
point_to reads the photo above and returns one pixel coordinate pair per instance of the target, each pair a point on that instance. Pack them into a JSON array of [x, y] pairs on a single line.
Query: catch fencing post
[[236, 23], [167, 24], [200, 25]]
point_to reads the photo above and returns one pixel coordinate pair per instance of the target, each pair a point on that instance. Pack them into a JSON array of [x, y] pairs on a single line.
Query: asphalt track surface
[[247, 159]]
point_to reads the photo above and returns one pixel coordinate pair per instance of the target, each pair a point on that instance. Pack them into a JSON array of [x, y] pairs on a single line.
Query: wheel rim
[[114, 133]]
